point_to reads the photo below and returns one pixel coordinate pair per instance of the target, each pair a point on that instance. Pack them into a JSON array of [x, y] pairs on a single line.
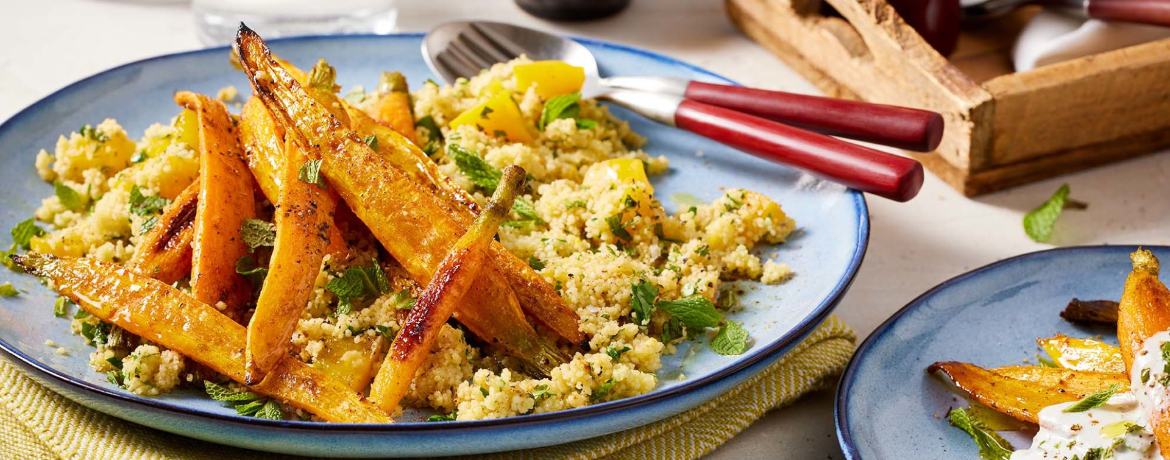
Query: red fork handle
[[883, 174], [901, 127], [1156, 12]]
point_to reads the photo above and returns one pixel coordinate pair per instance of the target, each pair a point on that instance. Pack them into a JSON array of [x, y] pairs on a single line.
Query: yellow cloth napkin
[[37, 424]]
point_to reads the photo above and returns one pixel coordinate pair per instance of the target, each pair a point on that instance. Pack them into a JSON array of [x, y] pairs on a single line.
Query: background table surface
[[913, 246]]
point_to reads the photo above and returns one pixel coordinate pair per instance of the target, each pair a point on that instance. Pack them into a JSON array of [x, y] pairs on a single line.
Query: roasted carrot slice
[[455, 276], [1024, 398], [393, 107], [304, 216], [537, 297], [1083, 354], [1145, 311], [164, 252], [225, 201], [403, 216], [160, 313]]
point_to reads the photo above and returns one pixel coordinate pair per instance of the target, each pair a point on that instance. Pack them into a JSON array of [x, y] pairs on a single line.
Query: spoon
[[723, 113]]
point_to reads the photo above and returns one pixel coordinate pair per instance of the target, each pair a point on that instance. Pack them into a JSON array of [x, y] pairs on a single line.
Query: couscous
[[589, 223]]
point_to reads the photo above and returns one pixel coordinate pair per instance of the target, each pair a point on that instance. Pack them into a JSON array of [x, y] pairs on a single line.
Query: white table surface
[[46, 44]]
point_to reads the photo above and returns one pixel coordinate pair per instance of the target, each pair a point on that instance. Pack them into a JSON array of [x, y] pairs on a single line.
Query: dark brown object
[[1090, 311], [936, 21], [572, 10]]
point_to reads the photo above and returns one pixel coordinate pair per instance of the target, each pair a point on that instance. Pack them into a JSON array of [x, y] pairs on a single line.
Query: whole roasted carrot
[[446, 290], [304, 216], [225, 201], [164, 252], [393, 107], [1144, 312], [402, 214], [537, 297], [160, 313]]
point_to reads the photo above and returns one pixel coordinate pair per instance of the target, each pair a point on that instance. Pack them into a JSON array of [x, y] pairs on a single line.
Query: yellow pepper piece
[[552, 78], [1083, 354], [494, 87], [43, 245], [618, 170], [187, 125], [350, 360], [499, 117]]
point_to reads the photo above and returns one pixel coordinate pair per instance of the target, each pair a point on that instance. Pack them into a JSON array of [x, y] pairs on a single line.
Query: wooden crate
[[1002, 128]]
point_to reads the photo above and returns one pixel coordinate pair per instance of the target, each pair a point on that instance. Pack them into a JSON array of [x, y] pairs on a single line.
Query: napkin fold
[[1052, 37], [38, 424]]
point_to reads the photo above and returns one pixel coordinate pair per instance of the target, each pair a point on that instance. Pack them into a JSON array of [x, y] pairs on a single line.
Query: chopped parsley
[[1145, 375], [732, 339], [563, 106], [602, 391], [91, 133], [257, 233], [444, 418], [535, 263], [142, 205], [25, 231], [310, 173], [1094, 400], [69, 198], [615, 353], [662, 235], [576, 204], [541, 392], [476, 169], [642, 301], [138, 157], [703, 251], [618, 228]]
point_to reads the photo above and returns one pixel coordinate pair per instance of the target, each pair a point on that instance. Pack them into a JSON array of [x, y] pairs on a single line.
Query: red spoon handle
[[1155, 12], [901, 127], [883, 174]]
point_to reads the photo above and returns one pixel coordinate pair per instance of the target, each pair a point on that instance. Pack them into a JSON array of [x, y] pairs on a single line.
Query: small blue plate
[[888, 407], [825, 255]]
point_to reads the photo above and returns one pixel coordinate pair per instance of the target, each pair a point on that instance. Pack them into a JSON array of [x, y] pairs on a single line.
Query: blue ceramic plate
[[825, 255], [992, 316]]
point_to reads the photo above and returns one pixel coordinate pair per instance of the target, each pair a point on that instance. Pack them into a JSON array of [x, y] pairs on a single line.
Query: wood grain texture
[[1002, 128]]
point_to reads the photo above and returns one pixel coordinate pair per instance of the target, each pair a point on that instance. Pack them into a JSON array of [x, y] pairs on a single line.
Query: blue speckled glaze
[[825, 254], [992, 316]]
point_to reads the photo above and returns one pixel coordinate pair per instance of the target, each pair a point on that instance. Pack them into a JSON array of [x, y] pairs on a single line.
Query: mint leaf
[[434, 134], [222, 393], [642, 301], [1039, 222], [615, 353], [694, 311], [385, 331], [671, 329], [6, 290], [541, 392], [563, 106], [25, 231], [525, 209], [247, 266], [257, 233], [731, 340], [310, 173], [535, 263], [147, 224], [618, 228], [1094, 400], [443, 418], [476, 169], [270, 411], [69, 197], [585, 123], [602, 391], [403, 300], [371, 141], [143, 205], [991, 445], [360, 283]]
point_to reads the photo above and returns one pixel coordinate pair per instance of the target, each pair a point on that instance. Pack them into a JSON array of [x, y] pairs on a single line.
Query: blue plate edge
[[785, 343]]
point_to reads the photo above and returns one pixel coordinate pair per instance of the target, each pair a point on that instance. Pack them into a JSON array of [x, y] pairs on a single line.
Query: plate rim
[[802, 328], [841, 417]]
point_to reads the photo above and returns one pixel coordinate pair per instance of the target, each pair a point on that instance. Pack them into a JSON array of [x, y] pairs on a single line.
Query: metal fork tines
[[476, 48]]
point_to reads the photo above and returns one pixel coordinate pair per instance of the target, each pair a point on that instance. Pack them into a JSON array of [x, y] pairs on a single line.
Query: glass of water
[[218, 19]]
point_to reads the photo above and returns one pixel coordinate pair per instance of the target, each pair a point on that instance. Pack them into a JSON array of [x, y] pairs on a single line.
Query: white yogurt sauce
[[1114, 425]]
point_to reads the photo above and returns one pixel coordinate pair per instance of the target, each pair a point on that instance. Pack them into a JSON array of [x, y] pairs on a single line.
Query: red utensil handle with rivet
[[880, 173], [1156, 12], [901, 127]]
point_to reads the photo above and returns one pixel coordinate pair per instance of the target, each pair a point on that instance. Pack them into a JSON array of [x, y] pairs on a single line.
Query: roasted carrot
[[225, 201], [454, 278], [260, 136], [537, 297], [393, 108], [160, 313], [164, 252], [1145, 311], [403, 216], [1023, 398], [304, 216]]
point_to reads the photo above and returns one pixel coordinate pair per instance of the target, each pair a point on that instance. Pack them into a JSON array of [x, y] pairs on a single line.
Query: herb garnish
[[476, 169], [68, 197], [642, 301], [358, 283], [563, 106], [371, 141], [7, 290], [59, 307], [245, 402], [1039, 222], [602, 391], [310, 173], [1094, 400], [694, 311], [257, 233], [142, 205], [991, 445], [444, 418], [25, 231], [731, 340]]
